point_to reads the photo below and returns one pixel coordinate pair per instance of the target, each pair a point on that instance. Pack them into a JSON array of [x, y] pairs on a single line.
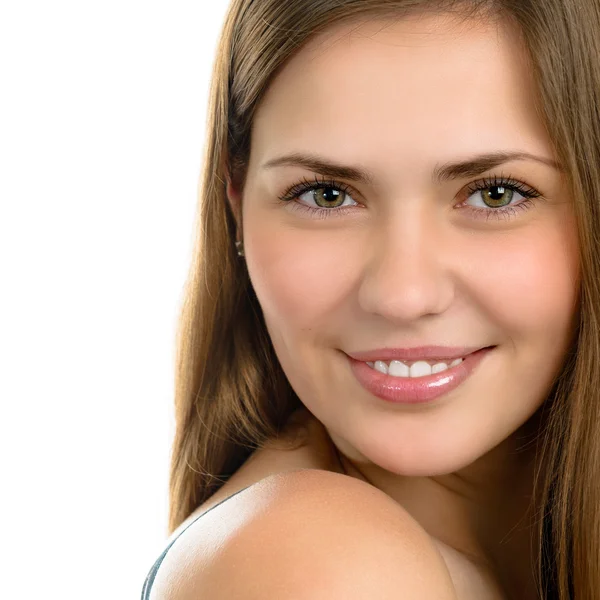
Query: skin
[[407, 266]]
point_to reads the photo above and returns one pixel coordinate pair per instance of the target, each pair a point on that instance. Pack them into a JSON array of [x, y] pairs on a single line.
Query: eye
[[319, 198], [326, 197], [496, 197], [323, 194]]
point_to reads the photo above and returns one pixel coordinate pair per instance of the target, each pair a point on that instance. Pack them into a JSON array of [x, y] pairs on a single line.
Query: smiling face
[[411, 259]]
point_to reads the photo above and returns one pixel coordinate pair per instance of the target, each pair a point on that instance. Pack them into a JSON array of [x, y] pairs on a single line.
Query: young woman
[[388, 378]]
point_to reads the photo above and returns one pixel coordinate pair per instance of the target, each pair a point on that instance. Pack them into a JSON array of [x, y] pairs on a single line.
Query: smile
[[421, 384]]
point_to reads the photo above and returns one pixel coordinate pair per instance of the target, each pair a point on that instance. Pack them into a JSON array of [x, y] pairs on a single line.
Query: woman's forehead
[[403, 90]]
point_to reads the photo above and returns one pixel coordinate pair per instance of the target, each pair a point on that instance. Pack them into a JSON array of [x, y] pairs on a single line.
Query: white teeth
[[398, 369], [420, 368], [381, 367]]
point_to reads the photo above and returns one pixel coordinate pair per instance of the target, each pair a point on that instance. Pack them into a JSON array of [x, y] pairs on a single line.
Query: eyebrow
[[471, 167]]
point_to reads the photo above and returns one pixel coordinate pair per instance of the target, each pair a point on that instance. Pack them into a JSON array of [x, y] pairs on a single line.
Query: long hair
[[232, 395]]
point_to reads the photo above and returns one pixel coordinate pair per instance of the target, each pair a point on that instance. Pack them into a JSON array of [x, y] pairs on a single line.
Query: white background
[[102, 118]]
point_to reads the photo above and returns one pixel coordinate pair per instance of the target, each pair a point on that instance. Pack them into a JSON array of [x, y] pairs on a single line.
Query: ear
[[234, 198]]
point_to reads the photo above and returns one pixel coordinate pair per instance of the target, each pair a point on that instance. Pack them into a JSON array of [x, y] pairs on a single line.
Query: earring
[[240, 248]]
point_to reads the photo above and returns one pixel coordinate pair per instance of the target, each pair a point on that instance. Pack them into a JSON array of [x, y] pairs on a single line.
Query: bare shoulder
[[305, 535]]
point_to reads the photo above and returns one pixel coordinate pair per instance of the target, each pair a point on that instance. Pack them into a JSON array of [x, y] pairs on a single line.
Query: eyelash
[[506, 212]]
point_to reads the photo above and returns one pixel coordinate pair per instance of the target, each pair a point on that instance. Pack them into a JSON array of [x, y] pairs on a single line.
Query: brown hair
[[231, 393]]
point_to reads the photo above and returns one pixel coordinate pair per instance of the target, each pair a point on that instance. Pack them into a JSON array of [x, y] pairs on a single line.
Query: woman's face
[[409, 259]]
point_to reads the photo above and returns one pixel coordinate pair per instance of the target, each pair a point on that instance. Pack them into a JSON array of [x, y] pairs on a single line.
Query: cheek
[[298, 277], [528, 281]]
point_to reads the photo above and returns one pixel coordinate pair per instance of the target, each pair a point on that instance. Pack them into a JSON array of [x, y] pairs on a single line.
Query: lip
[[415, 390], [421, 352]]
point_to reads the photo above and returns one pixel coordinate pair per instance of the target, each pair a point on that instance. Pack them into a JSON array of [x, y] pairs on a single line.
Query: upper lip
[[424, 352]]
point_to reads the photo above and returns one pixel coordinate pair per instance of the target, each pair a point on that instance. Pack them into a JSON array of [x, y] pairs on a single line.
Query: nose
[[408, 270]]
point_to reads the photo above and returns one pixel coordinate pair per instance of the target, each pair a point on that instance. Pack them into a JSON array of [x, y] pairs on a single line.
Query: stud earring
[[240, 248]]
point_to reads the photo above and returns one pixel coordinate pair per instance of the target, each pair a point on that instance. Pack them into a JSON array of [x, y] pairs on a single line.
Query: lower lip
[[417, 390]]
